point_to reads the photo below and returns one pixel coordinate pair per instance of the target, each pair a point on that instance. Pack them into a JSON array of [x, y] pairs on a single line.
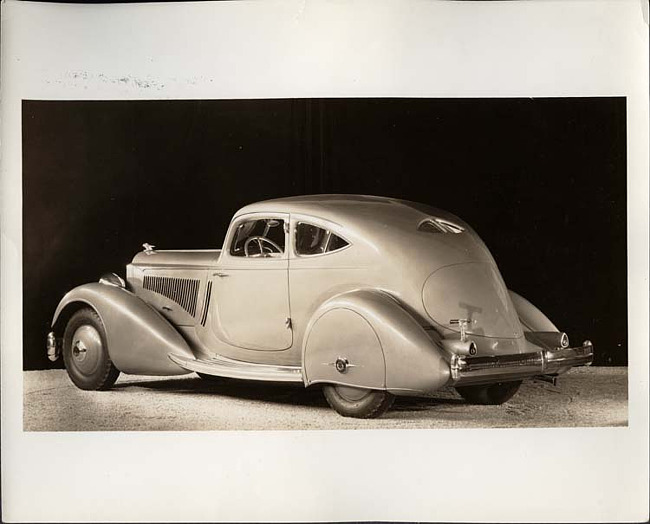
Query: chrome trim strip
[[469, 364], [206, 303], [224, 367]]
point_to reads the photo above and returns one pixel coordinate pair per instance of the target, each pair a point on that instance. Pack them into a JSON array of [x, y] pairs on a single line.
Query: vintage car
[[367, 297]]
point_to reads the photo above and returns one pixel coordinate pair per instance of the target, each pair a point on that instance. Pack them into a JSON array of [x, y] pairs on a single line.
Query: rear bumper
[[477, 370]]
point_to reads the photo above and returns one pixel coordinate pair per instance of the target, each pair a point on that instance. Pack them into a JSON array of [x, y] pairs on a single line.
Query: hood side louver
[[206, 304], [183, 291]]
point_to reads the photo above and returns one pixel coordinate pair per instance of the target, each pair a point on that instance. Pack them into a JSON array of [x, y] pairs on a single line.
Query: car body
[[370, 297]]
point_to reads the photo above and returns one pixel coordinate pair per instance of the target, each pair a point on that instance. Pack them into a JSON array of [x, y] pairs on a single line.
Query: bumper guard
[[53, 347]]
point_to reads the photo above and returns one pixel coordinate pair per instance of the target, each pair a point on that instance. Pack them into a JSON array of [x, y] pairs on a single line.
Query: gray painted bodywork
[[385, 303], [138, 337]]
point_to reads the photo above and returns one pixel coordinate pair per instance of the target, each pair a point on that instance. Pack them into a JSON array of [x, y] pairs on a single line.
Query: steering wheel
[[261, 241]]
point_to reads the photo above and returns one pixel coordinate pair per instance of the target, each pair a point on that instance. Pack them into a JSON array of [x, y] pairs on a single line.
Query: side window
[[336, 243], [262, 237], [314, 240]]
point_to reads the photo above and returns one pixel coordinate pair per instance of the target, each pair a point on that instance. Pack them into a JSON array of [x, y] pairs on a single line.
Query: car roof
[[348, 210]]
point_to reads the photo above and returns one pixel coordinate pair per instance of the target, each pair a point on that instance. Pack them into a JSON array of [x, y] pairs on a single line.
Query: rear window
[[314, 240], [438, 225]]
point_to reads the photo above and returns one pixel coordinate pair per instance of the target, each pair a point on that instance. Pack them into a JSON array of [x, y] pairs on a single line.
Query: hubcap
[[87, 349], [79, 350], [352, 394]]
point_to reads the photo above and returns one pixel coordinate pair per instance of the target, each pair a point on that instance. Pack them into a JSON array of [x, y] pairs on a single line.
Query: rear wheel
[[85, 354], [489, 394], [357, 402]]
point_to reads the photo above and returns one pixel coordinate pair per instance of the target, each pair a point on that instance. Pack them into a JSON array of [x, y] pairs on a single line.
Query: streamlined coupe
[[367, 297]]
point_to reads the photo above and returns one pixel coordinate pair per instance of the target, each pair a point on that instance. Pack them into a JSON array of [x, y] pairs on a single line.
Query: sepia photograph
[[244, 264], [324, 261]]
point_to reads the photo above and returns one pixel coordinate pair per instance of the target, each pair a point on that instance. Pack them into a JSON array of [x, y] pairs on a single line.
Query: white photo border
[[319, 48]]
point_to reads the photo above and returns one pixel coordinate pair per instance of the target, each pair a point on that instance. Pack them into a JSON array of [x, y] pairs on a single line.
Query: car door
[[252, 284]]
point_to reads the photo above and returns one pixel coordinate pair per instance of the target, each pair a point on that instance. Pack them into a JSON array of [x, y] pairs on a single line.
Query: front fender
[[139, 339], [385, 347]]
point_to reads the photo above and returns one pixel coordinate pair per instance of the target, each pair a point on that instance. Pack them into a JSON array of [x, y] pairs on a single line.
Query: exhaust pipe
[[551, 379], [460, 347]]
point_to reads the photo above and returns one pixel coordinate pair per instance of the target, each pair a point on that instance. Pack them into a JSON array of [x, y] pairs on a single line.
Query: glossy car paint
[[252, 308], [384, 302], [413, 363], [473, 291], [139, 339], [531, 318]]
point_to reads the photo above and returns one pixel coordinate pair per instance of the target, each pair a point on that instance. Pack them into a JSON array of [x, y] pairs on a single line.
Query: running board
[[225, 367]]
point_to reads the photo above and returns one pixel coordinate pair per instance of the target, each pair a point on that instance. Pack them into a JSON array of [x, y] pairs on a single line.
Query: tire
[[356, 402], [85, 353], [489, 394]]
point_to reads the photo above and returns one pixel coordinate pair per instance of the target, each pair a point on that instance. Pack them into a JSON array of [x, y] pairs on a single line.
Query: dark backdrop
[[543, 181]]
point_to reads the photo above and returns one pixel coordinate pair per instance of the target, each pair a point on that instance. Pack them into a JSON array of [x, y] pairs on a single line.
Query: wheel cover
[[352, 394], [86, 350]]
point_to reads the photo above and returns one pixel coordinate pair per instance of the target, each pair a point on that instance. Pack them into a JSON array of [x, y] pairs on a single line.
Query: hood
[[185, 259], [474, 291]]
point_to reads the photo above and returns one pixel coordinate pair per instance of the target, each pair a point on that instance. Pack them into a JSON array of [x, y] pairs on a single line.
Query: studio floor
[[591, 396]]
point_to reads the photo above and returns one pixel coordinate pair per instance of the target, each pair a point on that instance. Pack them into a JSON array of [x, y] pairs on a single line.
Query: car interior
[[314, 240], [259, 238], [265, 238]]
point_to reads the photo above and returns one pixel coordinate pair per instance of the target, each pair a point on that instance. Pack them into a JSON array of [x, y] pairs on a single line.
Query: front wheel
[[356, 402], [85, 355], [489, 394]]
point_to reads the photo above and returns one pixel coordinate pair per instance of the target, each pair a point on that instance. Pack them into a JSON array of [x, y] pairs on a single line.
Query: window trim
[[328, 230], [258, 215]]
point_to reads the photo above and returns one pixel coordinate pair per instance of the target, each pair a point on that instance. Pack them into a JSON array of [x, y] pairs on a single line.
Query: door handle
[[167, 308], [220, 275]]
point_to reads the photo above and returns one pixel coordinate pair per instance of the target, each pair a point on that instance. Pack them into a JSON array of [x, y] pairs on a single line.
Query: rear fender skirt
[[139, 339], [365, 338]]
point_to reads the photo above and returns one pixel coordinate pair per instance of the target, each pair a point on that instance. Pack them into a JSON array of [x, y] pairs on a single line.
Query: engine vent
[[183, 291], [206, 304]]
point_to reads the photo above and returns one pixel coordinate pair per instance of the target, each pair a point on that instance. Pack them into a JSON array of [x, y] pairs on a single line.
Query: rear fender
[[538, 329], [139, 339], [376, 341], [531, 318]]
